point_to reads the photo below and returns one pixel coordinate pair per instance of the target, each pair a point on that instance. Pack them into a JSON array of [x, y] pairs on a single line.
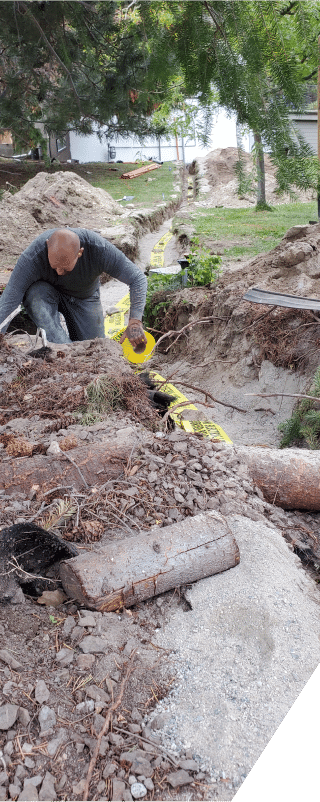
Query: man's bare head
[[63, 251]]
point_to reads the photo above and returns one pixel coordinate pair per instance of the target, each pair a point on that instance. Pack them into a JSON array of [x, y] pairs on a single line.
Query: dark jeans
[[83, 316]]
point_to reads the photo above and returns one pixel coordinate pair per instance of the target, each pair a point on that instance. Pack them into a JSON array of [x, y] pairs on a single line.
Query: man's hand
[[136, 336]]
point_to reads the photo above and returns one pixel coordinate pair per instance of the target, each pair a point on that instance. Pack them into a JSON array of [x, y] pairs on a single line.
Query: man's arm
[[120, 267], [25, 273]]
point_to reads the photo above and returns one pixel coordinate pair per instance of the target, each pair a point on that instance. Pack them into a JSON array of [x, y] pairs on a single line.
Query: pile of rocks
[[58, 701]]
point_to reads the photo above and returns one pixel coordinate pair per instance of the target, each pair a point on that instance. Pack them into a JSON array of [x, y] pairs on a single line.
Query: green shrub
[[304, 424], [204, 267]]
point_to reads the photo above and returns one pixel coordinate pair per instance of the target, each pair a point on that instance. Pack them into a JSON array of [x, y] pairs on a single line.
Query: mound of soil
[[51, 201], [218, 167]]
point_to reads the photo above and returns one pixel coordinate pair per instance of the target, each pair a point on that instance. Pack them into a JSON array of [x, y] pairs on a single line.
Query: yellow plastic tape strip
[[113, 324], [124, 304], [207, 428], [157, 259], [178, 397], [161, 244]]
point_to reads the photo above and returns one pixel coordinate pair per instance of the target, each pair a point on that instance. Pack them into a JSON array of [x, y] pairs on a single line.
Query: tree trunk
[[288, 478], [97, 463], [261, 178], [131, 570]]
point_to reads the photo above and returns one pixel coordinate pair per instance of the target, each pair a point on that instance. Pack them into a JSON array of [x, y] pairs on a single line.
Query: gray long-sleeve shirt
[[98, 256]]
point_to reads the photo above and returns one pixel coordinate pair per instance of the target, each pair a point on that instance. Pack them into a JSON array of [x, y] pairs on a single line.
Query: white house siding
[[92, 149], [307, 125]]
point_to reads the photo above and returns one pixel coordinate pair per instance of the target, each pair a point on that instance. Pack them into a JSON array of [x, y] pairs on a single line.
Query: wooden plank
[[131, 570], [141, 170]]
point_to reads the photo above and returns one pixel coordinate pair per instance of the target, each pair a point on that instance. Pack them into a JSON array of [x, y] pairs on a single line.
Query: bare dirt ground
[[62, 665]]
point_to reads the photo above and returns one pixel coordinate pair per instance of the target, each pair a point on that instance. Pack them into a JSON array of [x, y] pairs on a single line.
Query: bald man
[[59, 272]]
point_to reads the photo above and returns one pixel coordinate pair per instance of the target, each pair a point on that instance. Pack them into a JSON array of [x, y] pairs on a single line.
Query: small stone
[[47, 790], [85, 707], [47, 719], [88, 621], [8, 715], [115, 739], [29, 793], [8, 658], [127, 795], [29, 763], [141, 765], [109, 769], [178, 778], [118, 789], [98, 694], [98, 722], [85, 661], [27, 748], [94, 645], [136, 716], [78, 789], [132, 779], [65, 657], [159, 721], [104, 746], [14, 790], [3, 778], [148, 783], [54, 447], [36, 780], [135, 728], [41, 693], [24, 716], [189, 765], [138, 791], [68, 625]]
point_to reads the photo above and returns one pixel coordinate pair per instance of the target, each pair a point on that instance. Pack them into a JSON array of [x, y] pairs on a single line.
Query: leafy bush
[[304, 424], [204, 267]]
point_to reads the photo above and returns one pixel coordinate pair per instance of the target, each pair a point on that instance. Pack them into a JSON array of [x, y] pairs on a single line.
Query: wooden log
[[96, 462], [131, 570], [288, 478]]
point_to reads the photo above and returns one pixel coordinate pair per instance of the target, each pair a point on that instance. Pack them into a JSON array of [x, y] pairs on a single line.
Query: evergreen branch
[[53, 52], [214, 18]]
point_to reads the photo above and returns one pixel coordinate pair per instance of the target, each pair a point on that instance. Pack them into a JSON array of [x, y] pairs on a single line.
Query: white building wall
[[92, 149]]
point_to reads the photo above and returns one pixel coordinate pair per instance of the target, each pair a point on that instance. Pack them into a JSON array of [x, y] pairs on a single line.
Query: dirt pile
[[62, 666], [220, 184], [51, 201]]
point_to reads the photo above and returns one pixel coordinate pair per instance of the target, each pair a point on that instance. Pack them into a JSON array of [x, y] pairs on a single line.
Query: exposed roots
[[284, 337]]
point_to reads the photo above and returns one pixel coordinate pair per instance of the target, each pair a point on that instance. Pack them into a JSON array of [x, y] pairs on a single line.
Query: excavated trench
[[220, 662]]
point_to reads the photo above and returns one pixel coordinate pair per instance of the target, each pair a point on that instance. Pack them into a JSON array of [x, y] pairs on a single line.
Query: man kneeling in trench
[[59, 272]]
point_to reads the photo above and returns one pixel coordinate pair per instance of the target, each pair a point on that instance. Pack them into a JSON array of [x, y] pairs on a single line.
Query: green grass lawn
[[148, 189], [245, 232]]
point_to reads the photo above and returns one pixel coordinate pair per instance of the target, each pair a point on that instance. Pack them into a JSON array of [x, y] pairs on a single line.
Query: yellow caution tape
[[157, 254], [179, 398], [113, 324], [124, 304], [207, 428]]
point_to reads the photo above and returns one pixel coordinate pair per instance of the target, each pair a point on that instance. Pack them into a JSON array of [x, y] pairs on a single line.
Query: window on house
[[61, 143]]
